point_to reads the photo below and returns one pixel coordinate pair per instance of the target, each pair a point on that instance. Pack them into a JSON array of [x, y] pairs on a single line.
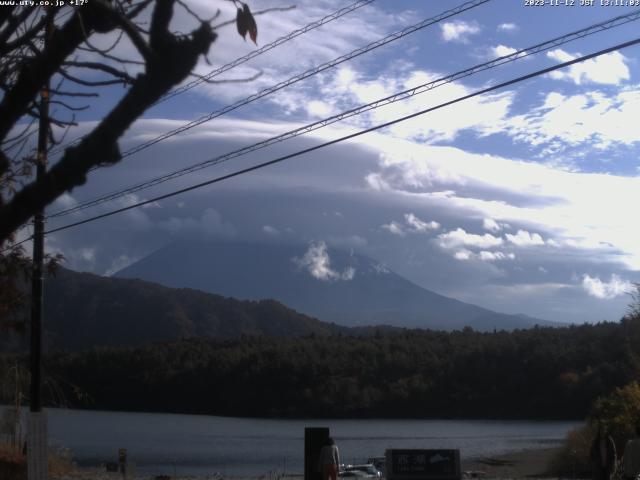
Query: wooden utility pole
[[37, 448]]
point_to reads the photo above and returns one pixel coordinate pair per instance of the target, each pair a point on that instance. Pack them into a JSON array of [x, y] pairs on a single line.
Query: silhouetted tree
[[163, 59], [53, 52]]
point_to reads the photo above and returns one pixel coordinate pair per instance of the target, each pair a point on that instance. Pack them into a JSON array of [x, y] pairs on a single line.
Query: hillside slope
[[331, 285], [83, 310]]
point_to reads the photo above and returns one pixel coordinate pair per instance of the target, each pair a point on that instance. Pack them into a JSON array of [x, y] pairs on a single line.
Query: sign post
[[314, 439], [418, 464], [122, 461], [37, 447]]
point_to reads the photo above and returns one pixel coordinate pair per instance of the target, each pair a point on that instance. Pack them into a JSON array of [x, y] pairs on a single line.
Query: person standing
[[329, 460]]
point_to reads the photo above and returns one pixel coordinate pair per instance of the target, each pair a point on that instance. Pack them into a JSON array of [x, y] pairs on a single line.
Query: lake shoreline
[[530, 463], [197, 446]]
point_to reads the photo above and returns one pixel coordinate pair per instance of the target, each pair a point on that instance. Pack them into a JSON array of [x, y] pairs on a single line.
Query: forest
[[539, 373]]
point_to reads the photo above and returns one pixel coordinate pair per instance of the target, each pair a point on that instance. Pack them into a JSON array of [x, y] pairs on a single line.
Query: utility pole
[[37, 448]]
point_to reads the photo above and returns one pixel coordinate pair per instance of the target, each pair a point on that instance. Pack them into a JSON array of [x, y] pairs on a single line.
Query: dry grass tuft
[[13, 463], [573, 460], [60, 463]]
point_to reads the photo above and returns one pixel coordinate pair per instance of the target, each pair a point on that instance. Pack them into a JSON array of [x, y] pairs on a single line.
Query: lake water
[[197, 444]]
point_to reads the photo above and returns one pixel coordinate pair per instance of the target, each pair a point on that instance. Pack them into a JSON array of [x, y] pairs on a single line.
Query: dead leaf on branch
[[246, 23]]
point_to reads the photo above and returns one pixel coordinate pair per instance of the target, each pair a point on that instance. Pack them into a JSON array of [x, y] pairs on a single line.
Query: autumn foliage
[[246, 23]]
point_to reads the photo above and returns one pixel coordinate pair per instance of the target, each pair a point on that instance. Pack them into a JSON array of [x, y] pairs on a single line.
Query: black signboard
[[314, 439], [423, 464]]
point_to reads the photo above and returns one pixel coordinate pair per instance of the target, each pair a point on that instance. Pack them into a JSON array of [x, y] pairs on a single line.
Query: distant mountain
[[84, 310], [329, 284]]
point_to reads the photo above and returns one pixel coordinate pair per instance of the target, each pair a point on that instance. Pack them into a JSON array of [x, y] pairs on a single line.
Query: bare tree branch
[[102, 67], [68, 107], [39, 68], [28, 36], [171, 59], [64, 93], [91, 83]]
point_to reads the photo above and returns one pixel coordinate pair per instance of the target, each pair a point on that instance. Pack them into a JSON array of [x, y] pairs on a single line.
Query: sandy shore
[[526, 463], [523, 464]]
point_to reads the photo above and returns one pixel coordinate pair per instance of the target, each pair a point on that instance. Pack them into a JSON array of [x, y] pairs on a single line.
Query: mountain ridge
[[85, 310], [326, 283]]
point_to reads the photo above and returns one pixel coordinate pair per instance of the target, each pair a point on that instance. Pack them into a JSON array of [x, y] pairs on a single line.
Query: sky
[[521, 200]]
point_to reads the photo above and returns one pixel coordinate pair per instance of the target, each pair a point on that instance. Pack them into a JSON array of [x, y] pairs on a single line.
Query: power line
[[602, 26], [309, 73], [13, 246], [353, 135], [239, 61], [296, 33]]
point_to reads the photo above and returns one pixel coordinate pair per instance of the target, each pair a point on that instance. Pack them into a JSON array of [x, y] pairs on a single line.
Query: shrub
[[573, 459], [13, 463], [619, 413]]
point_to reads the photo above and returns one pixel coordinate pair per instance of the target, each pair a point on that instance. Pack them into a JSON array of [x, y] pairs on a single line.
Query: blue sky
[[522, 200]]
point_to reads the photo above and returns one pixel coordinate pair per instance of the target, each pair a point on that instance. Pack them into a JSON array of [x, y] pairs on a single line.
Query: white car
[[366, 470]]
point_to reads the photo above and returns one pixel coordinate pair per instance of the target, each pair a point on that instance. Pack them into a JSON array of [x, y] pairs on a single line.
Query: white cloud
[[64, 201], [419, 225], [486, 256], [483, 256], [352, 88], [609, 69], [88, 254], [120, 262], [210, 224], [502, 51], [458, 31], [317, 262], [491, 225], [412, 224], [525, 239], [348, 273], [590, 119], [587, 208], [82, 258], [320, 45], [507, 27], [376, 182], [269, 230], [463, 255], [460, 237], [394, 228], [317, 108], [380, 269], [606, 290]]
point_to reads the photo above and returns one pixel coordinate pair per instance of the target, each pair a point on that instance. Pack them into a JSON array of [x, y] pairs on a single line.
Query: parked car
[[379, 462], [367, 470]]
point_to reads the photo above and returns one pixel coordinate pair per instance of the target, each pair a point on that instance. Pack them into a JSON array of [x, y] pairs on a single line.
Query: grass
[[573, 459], [13, 463]]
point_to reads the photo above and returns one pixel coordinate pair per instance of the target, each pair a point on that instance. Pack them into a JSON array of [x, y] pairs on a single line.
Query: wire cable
[[302, 76], [290, 36], [15, 245], [399, 96], [309, 73], [352, 135], [239, 61]]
